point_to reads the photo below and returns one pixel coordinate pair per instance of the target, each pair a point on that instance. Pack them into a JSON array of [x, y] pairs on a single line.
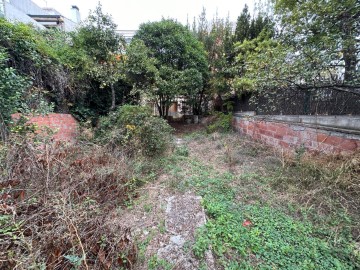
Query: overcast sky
[[129, 14]]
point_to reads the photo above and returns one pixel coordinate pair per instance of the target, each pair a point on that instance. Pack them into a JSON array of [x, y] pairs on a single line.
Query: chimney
[[75, 14], [2, 8]]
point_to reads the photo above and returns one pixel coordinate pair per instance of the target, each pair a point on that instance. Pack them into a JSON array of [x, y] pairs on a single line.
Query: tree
[[109, 72], [216, 36], [322, 43], [258, 24], [242, 30], [251, 37], [191, 82], [140, 67], [258, 62], [171, 50], [98, 37], [315, 53], [202, 27]]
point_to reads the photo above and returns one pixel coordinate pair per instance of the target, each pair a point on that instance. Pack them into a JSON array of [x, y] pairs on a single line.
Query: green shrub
[[27, 53], [63, 67], [12, 86], [135, 129], [221, 124], [182, 151]]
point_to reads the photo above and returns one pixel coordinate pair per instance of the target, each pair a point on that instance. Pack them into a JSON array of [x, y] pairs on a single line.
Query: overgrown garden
[[59, 202]]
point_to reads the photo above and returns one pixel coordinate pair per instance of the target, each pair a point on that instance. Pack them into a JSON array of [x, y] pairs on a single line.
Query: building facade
[[27, 11], [127, 34]]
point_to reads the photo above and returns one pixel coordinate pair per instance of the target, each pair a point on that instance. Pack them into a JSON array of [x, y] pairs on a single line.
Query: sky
[[128, 15]]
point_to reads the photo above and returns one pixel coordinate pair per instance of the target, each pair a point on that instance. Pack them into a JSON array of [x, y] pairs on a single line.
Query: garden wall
[[323, 134], [64, 125]]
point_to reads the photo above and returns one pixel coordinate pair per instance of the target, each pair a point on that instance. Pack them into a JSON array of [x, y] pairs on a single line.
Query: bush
[[221, 124], [60, 68], [54, 211], [30, 58], [135, 129], [12, 86]]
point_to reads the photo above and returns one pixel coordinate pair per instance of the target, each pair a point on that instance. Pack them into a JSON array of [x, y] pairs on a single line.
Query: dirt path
[[163, 221], [168, 212], [164, 217]]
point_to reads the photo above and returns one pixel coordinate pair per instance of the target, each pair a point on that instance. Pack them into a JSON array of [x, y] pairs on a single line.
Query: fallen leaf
[[246, 223]]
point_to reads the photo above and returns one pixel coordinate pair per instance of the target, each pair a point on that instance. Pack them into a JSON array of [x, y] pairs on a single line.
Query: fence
[[297, 102]]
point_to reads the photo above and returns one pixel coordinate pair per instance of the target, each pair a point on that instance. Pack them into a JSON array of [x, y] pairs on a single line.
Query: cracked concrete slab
[[184, 214]]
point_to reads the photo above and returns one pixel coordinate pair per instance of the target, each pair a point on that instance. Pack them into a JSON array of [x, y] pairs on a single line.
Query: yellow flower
[[130, 127]]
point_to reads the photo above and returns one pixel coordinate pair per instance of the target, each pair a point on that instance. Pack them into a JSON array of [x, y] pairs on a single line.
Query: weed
[[274, 238], [155, 263], [75, 260], [55, 205], [221, 124], [194, 136], [142, 246], [299, 153], [259, 232], [162, 227], [252, 149], [230, 155], [182, 151], [329, 185], [147, 208]]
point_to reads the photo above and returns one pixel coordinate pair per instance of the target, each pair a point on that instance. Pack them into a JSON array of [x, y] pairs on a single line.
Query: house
[[27, 11], [127, 34]]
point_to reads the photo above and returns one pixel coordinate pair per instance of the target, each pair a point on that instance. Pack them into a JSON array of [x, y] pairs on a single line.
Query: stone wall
[[64, 125], [326, 134]]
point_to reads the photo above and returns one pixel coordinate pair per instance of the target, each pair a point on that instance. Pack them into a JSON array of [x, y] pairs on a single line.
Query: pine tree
[[243, 23]]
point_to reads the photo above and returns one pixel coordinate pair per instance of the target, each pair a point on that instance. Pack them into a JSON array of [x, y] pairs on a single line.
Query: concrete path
[[184, 214]]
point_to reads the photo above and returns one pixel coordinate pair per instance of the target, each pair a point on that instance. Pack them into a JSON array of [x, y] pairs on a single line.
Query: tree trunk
[[163, 108], [349, 46], [159, 104], [166, 111], [200, 102], [113, 97], [350, 62]]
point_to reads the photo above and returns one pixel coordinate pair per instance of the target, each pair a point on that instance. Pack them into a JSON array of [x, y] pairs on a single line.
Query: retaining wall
[[64, 125], [324, 134]]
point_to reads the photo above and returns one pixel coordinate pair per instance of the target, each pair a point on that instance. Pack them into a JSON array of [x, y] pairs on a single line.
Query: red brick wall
[[291, 136], [64, 125]]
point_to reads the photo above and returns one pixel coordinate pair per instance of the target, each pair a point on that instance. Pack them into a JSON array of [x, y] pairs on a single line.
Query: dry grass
[[326, 184], [62, 206], [55, 202], [326, 187]]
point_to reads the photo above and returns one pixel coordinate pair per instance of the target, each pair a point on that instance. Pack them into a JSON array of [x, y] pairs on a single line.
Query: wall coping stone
[[340, 123]]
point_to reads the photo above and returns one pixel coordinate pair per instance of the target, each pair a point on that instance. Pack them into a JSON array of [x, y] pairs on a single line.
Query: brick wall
[[291, 136], [64, 125]]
